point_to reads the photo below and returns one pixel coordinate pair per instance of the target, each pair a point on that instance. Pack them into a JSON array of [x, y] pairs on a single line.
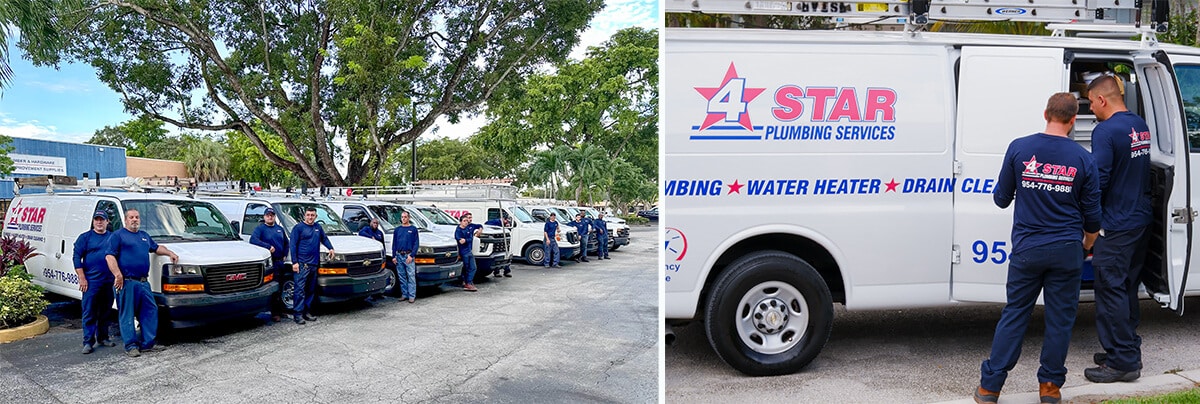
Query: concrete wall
[[149, 168]]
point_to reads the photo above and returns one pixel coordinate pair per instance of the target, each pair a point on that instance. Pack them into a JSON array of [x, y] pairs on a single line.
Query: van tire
[[391, 283], [770, 336], [535, 254]]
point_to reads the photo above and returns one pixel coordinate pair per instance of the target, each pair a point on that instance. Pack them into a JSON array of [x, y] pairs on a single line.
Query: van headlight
[[336, 256], [425, 250], [183, 269]]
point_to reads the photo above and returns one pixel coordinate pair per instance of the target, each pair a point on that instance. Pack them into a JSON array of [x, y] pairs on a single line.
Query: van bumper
[[566, 253], [194, 309], [339, 288], [493, 263], [433, 274], [620, 241]]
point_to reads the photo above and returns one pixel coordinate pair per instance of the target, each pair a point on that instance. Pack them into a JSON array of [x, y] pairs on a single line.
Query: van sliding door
[[1002, 93]]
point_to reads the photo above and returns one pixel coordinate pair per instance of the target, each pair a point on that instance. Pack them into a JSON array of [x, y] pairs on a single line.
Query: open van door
[[1002, 93], [1169, 252]]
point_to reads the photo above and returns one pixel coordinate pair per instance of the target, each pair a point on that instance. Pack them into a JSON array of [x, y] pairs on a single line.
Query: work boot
[[986, 396], [298, 320], [153, 349], [133, 353], [87, 349], [1099, 358], [108, 343], [310, 317], [1105, 374], [1049, 393], [507, 275]]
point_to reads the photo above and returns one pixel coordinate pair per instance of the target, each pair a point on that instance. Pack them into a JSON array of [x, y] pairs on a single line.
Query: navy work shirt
[[601, 227], [581, 226], [551, 230], [1121, 148], [306, 243], [468, 233], [368, 232], [132, 251], [405, 238], [271, 236], [90, 253], [1056, 187]]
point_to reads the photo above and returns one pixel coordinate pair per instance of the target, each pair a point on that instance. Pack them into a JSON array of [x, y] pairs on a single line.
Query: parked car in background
[[651, 214]]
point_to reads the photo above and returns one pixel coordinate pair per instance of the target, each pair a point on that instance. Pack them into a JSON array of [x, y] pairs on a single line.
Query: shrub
[[15, 252], [635, 219], [20, 300]]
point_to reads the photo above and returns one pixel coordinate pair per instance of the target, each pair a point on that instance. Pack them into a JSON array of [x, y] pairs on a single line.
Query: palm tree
[[587, 168], [551, 167], [36, 21], [207, 161]]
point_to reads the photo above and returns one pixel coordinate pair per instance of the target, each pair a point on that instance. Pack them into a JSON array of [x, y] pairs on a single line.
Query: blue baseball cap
[[100, 214], [269, 211]]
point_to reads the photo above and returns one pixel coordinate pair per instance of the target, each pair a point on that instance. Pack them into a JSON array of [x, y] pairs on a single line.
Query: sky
[[70, 103]]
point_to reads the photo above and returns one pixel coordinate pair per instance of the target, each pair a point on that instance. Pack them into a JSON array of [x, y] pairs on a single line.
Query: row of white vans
[[220, 275]]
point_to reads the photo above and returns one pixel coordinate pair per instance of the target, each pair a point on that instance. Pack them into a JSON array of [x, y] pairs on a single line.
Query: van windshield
[[437, 216], [521, 214], [293, 213], [391, 217], [181, 220]]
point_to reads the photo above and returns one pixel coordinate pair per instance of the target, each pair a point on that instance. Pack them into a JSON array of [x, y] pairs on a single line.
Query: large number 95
[[997, 253]]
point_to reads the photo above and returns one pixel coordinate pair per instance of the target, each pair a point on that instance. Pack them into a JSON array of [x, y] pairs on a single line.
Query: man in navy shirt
[[582, 225], [550, 240], [95, 281], [1057, 193], [405, 241], [1121, 147], [128, 257], [272, 237], [372, 231], [465, 235], [601, 227], [307, 239]]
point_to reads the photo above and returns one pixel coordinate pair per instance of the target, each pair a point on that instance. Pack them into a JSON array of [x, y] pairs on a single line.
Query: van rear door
[[1169, 252], [1002, 93]]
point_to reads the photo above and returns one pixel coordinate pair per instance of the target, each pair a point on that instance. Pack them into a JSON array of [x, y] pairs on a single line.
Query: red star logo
[[1133, 136], [1032, 165], [891, 185], [735, 187], [736, 89]]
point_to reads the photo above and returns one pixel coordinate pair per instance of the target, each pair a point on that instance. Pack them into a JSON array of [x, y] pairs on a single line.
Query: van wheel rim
[[289, 288], [772, 317], [390, 282], [537, 255]]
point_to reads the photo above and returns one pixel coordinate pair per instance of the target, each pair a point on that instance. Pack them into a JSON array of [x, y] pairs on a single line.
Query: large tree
[[443, 159], [135, 135], [338, 81], [35, 19]]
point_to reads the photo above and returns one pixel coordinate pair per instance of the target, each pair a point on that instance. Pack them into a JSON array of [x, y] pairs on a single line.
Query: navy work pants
[[97, 309], [552, 253], [602, 247], [305, 288], [1117, 258], [1054, 270], [468, 269], [135, 300]]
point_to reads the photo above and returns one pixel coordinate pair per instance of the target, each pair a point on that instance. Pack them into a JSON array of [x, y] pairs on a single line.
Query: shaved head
[[1107, 86]]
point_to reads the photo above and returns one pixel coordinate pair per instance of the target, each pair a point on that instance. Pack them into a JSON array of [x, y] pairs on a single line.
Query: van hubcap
[[772, 317]]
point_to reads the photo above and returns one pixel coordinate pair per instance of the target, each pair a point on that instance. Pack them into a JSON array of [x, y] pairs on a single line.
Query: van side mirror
[[237, 227]]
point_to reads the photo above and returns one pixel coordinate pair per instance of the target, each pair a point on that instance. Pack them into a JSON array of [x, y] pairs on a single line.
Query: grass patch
[[1186, 396]]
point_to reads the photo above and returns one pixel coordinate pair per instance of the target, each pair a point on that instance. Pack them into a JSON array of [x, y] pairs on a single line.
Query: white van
[[217, 276], [527, 233], [807, 168], [491, 247], [356, 272], [437, 261], [563, 216]]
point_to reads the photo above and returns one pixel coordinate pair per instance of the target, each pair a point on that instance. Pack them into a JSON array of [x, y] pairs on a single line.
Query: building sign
[[38, 165]]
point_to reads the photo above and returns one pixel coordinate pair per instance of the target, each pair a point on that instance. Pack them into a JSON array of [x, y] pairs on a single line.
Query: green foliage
[[20, 300], [1186, 396], [6, 163], [206, 161], [635, 219], [247, 163], [373, 74], [1181, 29], [135, 135], [444, 159], [36, 21]]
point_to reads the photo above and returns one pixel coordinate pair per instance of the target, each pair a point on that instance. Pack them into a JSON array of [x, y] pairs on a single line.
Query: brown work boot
[[1049, 393], [983, 395]]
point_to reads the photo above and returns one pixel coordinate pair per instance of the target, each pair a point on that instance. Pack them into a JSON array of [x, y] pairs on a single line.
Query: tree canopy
[[344, 81]]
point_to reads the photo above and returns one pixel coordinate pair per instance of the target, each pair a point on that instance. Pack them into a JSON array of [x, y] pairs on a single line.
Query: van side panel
[[851, 142]]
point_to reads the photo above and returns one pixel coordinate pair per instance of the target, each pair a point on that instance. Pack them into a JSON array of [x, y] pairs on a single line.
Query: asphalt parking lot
[[923, 355], [584, 333]]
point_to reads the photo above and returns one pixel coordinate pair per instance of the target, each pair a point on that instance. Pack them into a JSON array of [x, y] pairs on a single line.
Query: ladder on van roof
[[916, 14]]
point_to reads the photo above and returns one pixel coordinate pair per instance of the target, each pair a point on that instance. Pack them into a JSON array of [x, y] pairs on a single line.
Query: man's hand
[[83, 284], [409, 260], [295, 267], [395, 261], [119, 282], [462, 241], [478, 232], [174, 258], [331, 253], [1089, 240], [272, 249]]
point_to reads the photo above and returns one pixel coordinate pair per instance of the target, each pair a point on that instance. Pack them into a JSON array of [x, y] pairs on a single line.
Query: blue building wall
[[81, 158]]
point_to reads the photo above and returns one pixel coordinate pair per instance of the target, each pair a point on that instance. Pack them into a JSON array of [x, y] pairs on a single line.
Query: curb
[[37, 327], [1097, 392]]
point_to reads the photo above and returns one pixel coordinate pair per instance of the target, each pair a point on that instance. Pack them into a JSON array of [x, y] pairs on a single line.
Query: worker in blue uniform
[[406, 238], [464, 236], [307, 239], [372, 231], [128, 257], [271, 236], [95, 281], [601, 227], [582, 225], [550, 241]]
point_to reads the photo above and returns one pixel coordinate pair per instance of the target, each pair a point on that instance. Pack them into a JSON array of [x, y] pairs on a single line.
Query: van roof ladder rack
[[915, 14]]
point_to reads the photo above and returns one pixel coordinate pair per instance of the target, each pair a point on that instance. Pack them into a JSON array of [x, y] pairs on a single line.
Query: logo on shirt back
[[1139, 143], [1047, 176]]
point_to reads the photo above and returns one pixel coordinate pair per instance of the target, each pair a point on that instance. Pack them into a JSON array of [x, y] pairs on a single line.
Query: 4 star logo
[[729, 102]]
